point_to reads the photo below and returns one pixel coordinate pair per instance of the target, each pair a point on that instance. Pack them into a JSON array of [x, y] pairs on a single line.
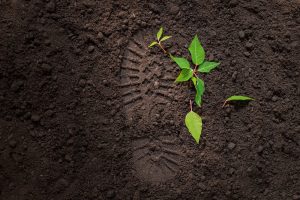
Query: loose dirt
[[87, 111]]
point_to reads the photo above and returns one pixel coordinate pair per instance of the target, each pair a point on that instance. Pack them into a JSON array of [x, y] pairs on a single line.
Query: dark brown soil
[[87, 111]]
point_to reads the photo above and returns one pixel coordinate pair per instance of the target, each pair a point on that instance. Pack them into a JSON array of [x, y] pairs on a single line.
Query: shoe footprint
[[148, 92]]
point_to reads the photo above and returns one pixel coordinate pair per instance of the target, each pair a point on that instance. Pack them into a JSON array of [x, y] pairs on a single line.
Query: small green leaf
[[159, 33], [152, 44], [200, 90], [207, 66], [194, 124], [184, 75], [194, 79], [239, 98], [197, 51], [181, 62], [165, 38]]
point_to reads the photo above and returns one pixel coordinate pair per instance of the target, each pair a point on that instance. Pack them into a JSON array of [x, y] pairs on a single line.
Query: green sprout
[[192, 120], [160, 38]]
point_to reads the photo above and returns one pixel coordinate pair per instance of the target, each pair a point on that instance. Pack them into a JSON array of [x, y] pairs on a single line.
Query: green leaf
[[194, 124], [181, 62], [239, 98], [159, 33], [207, 66], [197, 51], [184, 75], [200, 90], [165, 38], [194, 79], [152, 44]]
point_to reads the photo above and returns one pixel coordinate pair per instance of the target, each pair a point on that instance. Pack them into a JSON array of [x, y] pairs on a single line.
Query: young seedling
[[237, 98], [192, 120], [159, 39], [200, 65]]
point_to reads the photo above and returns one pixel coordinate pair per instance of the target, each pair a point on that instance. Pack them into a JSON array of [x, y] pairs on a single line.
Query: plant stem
[[191, 105], [224, 104], [160, 45], [195, 68], [196, 75], [195, 71]]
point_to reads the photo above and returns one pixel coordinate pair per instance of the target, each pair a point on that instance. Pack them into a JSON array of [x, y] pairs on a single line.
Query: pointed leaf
[[200, 90], [239, 98], [181, 62], [152, 44], [207, 66], [194, 79], [159, 33], [184, 75], [194, 124], [165, 38], [197, 51]]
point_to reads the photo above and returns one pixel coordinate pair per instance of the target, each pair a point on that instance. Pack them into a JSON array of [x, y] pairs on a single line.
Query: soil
[[89, 112]]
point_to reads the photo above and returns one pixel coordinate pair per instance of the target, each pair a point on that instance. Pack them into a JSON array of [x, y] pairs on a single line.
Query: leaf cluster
[[159, 38], [200, 66], [192, 120]]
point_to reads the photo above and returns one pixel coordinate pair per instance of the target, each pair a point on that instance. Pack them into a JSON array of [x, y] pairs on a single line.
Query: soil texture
[[89, 112]]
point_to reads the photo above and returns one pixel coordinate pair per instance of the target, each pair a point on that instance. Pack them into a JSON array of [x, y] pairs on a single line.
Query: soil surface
[[87, 111]]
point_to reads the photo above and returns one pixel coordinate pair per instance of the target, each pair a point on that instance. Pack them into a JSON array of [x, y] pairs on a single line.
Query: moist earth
[[88, 111]]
